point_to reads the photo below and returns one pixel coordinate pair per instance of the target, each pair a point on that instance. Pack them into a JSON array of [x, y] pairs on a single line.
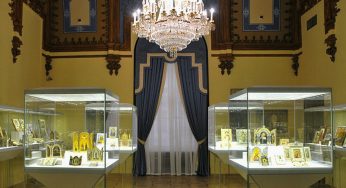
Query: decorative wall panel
[[261, 15], [61, 35], [80, 16], [235, 29]]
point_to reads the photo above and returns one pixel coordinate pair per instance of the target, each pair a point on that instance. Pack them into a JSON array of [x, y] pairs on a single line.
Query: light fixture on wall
[[172, 24]]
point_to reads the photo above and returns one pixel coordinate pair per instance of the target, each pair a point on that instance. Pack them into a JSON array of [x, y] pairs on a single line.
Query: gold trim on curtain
[[193, 64]]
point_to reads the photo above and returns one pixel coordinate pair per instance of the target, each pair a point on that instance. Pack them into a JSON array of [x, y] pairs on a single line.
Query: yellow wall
[[92, 72], [316, 68], [15, 78], [28, 71]]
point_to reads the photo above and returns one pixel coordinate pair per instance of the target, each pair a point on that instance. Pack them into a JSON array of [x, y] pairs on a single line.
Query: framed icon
[[297, 154], [16, 124], [112, 133]]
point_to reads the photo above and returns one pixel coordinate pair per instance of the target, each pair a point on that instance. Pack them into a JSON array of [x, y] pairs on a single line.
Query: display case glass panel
[[122, 127], [340, 127], [74, 136], [288, 130]]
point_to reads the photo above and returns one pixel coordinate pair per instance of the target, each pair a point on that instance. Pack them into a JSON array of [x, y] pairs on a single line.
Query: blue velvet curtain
[[146, 102], [196, 106]]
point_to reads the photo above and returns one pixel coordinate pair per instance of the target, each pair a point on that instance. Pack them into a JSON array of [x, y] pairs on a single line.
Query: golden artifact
[[112, 132], [307, 154], [340, 135], [48, 151], [226, 138], [100, 138], [53, 151], [52, 135], [91, 140], [316, 137], [241, 135], [75, 143], [1, 135], [322, 133], [75, 161], [43, 128], [124, 139], [95, 154], [16, 124], [284, 141], [273, 135], [256, 154], [21, 123], [263, 136], [264, 160], [83, 141], [297, 154]]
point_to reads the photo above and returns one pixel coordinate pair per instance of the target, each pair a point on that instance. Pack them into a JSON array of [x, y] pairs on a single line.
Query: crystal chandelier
[[172, 24]]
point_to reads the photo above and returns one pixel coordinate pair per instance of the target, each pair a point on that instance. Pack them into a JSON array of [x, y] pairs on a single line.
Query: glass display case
[[79, 136], [276, 130], [339, 130]]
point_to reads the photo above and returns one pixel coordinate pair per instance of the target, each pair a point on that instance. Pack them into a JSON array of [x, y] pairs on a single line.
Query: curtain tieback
[[141, 141], [202, 141]]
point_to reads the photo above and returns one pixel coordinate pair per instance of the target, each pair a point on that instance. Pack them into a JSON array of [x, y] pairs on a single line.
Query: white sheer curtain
[[171, 149]]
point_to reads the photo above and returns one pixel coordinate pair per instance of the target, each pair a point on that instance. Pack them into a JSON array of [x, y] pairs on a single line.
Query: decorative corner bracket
[[36, 5], [331, 44], [48, 66], [16, 43], [16, 15], [295, 63], [113, 63], [226, 63], [331, 10]]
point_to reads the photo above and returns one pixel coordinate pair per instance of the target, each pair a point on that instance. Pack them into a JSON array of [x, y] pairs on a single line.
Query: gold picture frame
[[53, 151], [226, 138], [297, 154], [322, 133], [340, 135], [284, 141], [1, 134], [21, 122], [43, 128], [112, 133], [307, 154], [16, 124], [255, 154], [262, 136], [316, 137], [84, 141], [241, 136], [264, 160], [100, 138]]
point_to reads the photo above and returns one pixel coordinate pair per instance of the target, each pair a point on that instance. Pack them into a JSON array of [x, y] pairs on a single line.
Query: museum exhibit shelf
[[288, 137], [11, 132], [75, 149]]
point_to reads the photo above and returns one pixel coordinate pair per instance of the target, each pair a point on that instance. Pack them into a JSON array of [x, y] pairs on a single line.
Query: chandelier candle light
[[172, 24]]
